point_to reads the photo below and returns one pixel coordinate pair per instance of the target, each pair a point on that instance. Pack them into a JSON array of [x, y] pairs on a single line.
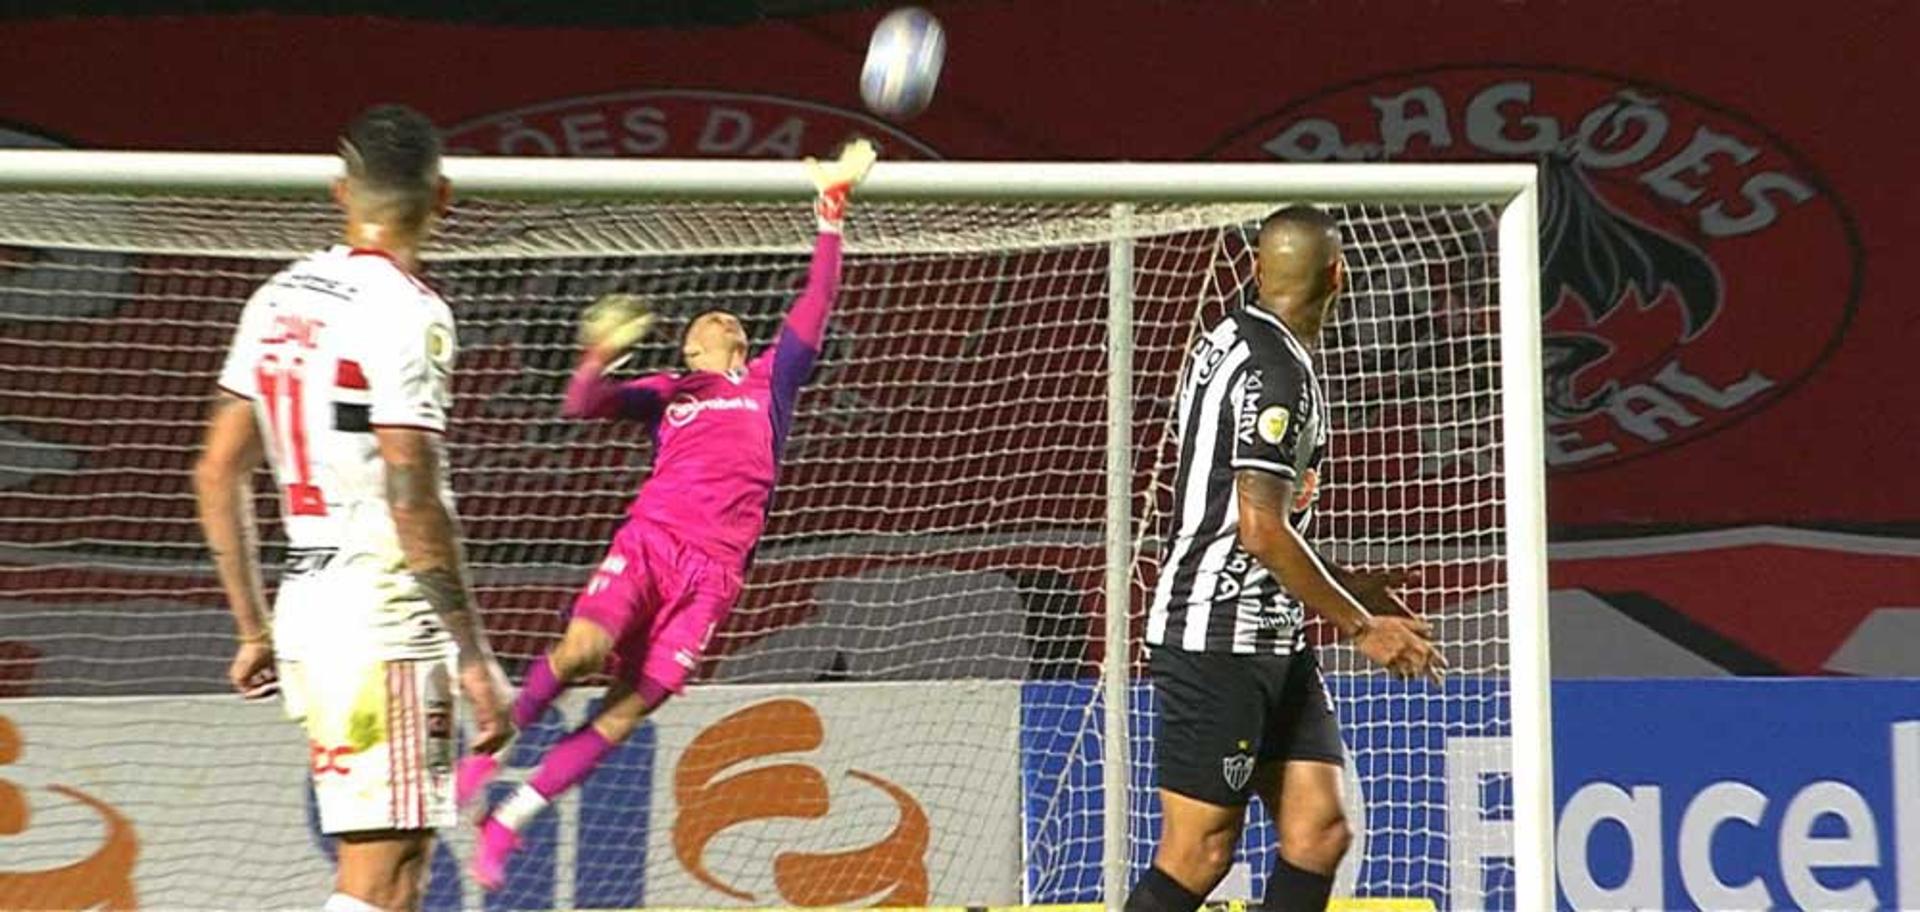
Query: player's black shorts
[[1223, 715]]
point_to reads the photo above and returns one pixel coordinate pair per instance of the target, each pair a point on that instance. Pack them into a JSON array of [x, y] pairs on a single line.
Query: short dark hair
[[1302, 215], [393, 151], [1313, 245]]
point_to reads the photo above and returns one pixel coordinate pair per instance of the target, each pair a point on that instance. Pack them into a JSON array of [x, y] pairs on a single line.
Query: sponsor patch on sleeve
[[1273, 423], [439, 344]]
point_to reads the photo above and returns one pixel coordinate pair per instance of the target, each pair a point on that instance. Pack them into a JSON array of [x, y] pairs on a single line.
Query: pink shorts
[[660, 601]]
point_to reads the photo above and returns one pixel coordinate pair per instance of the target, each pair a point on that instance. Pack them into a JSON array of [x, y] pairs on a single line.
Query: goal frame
[[1512, 187]]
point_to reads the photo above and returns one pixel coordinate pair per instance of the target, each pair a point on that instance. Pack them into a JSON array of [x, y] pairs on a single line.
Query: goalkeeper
[[674, 568]]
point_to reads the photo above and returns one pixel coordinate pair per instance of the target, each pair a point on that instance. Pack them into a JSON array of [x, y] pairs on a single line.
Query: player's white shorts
[[379, 740]]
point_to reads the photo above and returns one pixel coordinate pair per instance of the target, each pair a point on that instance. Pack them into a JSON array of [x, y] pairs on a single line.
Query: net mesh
[[903, 708]]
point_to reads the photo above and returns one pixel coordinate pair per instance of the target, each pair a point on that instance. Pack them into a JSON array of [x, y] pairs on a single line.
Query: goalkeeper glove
[[835, 179], [614, 324]]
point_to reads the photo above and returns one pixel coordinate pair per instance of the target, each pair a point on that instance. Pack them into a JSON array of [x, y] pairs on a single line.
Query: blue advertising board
[[1670, 794], [1397, 737], [1738, 794]]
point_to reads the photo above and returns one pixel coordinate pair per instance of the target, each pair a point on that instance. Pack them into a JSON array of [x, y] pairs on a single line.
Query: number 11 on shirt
[[282, 389]]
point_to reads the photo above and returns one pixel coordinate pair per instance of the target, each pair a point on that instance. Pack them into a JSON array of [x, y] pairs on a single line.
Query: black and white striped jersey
[[1249, 400]]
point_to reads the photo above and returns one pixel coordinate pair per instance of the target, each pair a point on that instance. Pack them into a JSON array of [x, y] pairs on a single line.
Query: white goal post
[[1121, 191]]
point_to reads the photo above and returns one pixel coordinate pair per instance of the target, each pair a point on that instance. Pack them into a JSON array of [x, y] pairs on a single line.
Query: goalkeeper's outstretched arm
[[804, 331], [593, 394], [612, 325]]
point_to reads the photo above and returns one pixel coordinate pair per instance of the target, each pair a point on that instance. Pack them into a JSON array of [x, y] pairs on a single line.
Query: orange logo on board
[[892, 870], [103, 880]]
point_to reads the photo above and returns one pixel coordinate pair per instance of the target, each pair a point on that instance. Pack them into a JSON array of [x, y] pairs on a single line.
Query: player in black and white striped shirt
[[1243, 708]]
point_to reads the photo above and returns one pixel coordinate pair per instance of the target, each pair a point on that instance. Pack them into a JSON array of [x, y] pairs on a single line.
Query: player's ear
[[340, 192], [442, 196], [1337, 275]]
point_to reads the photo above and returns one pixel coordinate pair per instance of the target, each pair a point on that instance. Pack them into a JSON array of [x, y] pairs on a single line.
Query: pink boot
[[470, 780], [490, 855]]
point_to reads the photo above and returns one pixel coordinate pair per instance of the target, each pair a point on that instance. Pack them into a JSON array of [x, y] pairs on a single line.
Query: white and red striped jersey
[[330, 348]]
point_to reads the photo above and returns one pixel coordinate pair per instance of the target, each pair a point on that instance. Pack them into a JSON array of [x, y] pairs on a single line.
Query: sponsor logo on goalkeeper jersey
[[678, 123], [686, 407], [101, 880], [743, 769], [1674, 232]]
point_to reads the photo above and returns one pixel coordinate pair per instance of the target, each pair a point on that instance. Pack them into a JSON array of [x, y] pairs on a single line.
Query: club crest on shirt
[[1237, 769]]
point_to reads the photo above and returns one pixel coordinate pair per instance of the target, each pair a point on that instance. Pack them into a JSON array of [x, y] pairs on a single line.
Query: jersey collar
[[1251, 305], [1250, 302], [348, 250], [375, 252]]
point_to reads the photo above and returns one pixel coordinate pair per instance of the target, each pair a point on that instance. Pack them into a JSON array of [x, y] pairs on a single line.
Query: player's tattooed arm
[[223, 491], [1265, 501], [1399, 644], [430, 540], [430, 535]]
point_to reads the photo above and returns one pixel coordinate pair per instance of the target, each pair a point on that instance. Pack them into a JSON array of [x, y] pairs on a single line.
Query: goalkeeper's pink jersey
[[718, 437]]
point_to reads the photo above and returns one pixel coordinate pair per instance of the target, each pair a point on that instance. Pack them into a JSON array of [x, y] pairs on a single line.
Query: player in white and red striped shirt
[[339, 376]]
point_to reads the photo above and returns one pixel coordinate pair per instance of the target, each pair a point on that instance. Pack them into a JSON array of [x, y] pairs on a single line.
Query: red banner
[[1721, 349]]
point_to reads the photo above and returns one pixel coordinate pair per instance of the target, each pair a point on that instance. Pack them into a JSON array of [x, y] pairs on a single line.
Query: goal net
[[906, 708]]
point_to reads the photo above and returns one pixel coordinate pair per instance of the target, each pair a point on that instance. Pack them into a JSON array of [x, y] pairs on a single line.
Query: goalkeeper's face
[[715, 341]]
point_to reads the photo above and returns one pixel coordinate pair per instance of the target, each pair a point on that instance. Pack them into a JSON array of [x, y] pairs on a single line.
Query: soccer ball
[[903, 63]]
